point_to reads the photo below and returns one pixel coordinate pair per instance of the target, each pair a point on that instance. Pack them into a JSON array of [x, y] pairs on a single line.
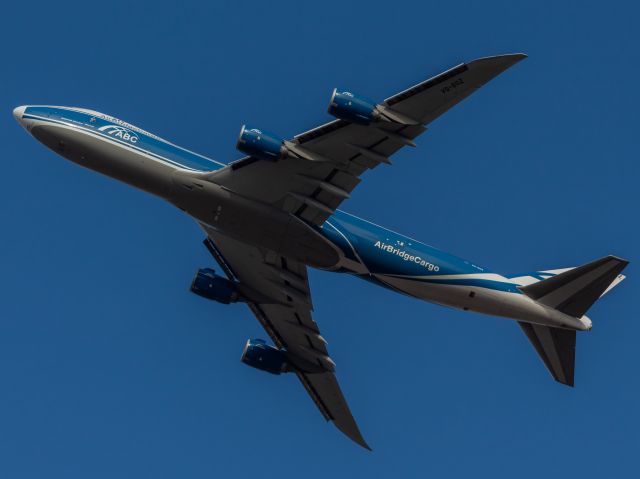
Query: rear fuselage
[[344, 243]]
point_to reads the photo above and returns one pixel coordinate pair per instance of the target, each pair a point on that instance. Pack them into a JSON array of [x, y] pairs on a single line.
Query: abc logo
[[120, 132]]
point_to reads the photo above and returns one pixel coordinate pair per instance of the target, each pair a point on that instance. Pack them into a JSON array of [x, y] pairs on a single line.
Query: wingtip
[[514, 57], [361, 442], [499, 62], [618, 258], [354, 434]]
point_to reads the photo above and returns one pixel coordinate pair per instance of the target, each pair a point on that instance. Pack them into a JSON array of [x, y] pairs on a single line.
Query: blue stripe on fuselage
[[387, 253], [122, 133]]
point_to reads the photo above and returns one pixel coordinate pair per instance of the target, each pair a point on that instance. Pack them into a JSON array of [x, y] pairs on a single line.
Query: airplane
[[273, 213]]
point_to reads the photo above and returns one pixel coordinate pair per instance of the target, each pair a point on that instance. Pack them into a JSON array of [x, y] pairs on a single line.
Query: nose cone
[[17, 114]]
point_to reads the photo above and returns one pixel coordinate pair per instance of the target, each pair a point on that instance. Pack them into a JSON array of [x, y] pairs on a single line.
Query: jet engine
[[258, 354], [356, 109], [208, 284], [261, 145], [347, 106]]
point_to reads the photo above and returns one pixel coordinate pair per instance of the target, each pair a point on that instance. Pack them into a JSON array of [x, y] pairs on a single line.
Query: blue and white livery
[[274, 213]]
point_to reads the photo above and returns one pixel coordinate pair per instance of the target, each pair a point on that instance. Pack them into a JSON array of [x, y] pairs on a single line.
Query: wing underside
[[278, 294], [334, 156]]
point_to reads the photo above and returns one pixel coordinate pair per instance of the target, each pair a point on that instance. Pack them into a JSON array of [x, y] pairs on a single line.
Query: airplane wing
[[282, 304], [312, 189]]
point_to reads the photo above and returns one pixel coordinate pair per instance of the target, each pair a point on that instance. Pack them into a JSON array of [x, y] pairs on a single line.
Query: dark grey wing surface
[[278, 294], [313, 189]]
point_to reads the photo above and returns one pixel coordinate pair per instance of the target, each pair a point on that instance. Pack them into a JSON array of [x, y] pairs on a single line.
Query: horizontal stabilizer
[[574, 291], [556, 347]]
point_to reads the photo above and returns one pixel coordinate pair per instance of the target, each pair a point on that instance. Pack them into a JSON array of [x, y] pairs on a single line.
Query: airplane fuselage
[[344, 243]]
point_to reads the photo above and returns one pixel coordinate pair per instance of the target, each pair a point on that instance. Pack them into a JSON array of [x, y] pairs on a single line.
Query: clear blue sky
[[109, 367]]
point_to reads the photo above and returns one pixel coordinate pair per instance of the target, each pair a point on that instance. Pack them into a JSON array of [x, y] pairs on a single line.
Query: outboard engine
[[259, 144], [347, 106], [208, 284], [356, 109], [258, 354]]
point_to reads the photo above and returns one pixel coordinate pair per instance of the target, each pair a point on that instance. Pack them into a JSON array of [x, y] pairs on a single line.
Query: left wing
[[282, 304], [331, 158]]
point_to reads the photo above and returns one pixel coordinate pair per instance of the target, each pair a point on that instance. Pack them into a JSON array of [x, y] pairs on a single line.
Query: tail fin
[[572, 292]]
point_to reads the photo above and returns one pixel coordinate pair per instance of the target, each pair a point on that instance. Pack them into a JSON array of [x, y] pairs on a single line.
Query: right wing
[[311, 188], [279, 297]]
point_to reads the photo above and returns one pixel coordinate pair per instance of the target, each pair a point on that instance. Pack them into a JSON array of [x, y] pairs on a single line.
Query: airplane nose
[[17, 114]]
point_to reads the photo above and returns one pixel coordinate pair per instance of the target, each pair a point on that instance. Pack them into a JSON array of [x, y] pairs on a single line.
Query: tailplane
[[571, 291], [574, 291], [556, 347]]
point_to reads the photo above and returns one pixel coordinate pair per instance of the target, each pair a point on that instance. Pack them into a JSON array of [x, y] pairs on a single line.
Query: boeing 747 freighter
[[269, 216]]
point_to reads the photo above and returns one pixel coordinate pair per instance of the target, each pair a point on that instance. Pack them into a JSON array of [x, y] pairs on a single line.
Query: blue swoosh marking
[[148, 144]]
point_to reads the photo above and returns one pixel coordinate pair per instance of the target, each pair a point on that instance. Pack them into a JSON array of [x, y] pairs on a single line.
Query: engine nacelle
[[208, 284], [347, 106], [259, 144], [258, 354]]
